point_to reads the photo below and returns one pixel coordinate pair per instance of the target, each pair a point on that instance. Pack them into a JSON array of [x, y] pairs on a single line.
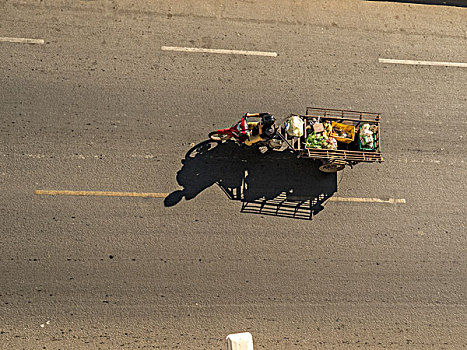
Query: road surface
[[94, 103]]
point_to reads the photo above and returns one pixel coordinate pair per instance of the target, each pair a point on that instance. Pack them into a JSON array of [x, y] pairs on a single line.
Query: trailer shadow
[[275, 183]]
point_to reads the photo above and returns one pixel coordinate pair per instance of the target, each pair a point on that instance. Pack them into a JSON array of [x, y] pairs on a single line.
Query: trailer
[[345, 137]]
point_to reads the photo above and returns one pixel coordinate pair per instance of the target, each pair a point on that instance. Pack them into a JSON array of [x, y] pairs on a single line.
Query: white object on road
[[222, 51], [240, 341], [423, 63], [22, 40]]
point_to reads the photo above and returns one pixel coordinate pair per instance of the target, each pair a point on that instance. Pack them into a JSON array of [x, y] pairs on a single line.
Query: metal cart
[[351, 153]]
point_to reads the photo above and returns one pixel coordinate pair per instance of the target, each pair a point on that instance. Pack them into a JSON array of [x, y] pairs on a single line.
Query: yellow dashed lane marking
[[367, 200], [100, 193], [163, 195]]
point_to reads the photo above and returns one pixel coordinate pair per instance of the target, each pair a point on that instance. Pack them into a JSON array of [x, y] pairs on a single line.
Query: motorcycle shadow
[[275, 183]]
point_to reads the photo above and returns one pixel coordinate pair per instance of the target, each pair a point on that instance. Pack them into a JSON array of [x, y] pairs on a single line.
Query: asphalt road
[[99, 106]]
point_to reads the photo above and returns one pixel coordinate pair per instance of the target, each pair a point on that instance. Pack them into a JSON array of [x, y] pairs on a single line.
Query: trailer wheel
[[331, 166]]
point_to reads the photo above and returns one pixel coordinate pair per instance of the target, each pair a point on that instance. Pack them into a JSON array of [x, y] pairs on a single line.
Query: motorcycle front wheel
[[215, 136]]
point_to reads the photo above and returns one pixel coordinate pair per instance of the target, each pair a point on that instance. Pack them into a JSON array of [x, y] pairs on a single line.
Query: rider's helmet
[[267, 119]]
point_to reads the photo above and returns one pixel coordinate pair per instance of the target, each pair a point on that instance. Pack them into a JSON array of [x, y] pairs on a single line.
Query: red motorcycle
[[242, 130]]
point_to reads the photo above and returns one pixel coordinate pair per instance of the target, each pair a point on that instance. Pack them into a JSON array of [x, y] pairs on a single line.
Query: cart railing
[[342, 114], [354, 117], [353, 156]]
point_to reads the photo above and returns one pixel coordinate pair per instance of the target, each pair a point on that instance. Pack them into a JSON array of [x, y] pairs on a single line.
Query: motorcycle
[[241, 131]]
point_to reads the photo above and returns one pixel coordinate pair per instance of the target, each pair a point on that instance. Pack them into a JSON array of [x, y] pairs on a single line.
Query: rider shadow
[[275, 183]]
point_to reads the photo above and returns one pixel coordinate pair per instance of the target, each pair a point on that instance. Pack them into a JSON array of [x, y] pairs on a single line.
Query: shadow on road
[[275, 183]]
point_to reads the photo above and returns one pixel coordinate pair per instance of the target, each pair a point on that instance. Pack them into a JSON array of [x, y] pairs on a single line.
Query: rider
[[262, 131]]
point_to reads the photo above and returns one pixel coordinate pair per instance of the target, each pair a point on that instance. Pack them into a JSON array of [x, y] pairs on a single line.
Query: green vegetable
[[315, 141]]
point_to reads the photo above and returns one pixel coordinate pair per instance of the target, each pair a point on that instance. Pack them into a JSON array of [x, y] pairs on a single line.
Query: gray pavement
[[99, 106]]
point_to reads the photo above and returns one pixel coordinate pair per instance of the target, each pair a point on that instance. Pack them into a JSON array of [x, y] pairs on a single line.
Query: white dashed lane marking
[[219, 51], [423, 63], [21, 40]]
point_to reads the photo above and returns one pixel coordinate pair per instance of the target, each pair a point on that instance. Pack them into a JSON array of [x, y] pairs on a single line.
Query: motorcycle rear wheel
[[215, 136], [201, 149]]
